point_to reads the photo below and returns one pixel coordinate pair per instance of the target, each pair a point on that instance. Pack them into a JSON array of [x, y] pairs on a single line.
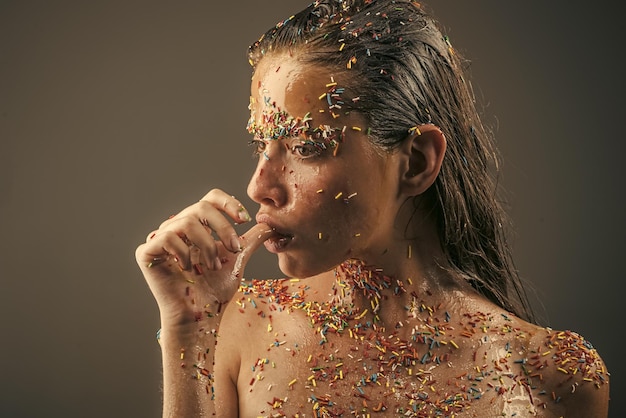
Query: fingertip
[[235, 244], [243, 215]]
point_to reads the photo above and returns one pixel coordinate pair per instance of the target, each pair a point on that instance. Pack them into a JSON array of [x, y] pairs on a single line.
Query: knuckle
[[139, 251], [169, 236], [213, 193], [187, 222], [204, 206]]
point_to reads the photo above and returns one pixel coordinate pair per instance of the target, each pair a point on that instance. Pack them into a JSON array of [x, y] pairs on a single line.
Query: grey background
[[115, 114]]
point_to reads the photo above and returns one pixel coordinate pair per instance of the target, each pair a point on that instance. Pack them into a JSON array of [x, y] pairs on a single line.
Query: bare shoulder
[[558, 373], [239, 332], [565, 373], [253, 313], [251, 305]]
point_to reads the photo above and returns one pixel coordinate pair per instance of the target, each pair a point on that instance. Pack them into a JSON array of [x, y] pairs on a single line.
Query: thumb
[[251, 241]]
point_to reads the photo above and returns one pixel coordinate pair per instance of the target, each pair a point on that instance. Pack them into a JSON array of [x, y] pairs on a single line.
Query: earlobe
[[424, 150]]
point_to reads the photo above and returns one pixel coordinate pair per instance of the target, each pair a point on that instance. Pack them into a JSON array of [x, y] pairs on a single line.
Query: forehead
[[289, 98], [281, 83]]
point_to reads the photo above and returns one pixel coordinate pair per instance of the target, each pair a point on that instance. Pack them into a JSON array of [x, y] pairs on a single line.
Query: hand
[[191, 273]]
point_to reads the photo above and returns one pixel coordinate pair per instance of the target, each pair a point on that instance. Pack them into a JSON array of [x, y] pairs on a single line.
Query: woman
[[375, 192]]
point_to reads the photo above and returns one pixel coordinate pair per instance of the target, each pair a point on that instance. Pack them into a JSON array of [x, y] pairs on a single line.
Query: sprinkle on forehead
[[276, 123], [333, 97], [359, 30]]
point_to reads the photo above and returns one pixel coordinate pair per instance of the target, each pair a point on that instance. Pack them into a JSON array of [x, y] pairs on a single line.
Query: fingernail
[[218, 263], [244, 216], [235, 244]]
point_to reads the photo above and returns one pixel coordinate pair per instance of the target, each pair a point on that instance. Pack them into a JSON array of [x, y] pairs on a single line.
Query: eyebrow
[[277, 124]]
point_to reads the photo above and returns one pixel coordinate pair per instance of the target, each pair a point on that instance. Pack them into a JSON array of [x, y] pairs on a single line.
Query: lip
[[281, 238]]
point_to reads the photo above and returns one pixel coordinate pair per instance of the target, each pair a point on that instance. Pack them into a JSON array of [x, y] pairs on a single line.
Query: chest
[[299, 368]]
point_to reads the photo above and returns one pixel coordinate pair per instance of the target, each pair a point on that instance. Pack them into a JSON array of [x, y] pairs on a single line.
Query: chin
[[296, 268]]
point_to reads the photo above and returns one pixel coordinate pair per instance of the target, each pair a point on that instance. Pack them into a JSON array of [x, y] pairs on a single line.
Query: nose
[[267, 185]]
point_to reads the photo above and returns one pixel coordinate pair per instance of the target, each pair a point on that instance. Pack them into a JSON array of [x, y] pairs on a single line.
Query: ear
[[423, 151]]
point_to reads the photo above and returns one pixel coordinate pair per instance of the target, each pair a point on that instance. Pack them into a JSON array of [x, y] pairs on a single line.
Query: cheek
[[352, 212], [332, 202], [335, 208]]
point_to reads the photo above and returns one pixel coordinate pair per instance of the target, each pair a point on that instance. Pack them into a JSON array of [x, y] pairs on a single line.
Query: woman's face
[[326, 190]]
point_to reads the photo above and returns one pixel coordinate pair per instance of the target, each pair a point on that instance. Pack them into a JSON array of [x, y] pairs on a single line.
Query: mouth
[[279, 239]]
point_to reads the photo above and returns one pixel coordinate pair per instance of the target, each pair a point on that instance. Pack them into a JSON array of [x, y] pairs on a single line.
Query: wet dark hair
[[405, 73]]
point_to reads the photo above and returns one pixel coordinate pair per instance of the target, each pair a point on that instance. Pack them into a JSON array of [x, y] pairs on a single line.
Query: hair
[[404, 73]]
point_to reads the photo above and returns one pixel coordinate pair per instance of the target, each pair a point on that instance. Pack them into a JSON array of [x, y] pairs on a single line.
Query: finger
[[162, 246], [194, 233], [176, 247], [208, 212], [199, 236], [214, 221], [227, 204], [201, 220], [168, 220], [251, 241], [151, 235]]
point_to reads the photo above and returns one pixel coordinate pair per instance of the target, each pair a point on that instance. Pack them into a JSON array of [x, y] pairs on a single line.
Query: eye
[[258, 146], [308, 149]]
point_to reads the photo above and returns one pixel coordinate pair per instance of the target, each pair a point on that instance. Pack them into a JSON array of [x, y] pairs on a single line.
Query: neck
[[411, 250], [391, 299]]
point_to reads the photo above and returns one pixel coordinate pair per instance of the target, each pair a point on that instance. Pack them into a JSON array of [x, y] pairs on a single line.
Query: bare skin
[[447, 354], [393, 335]]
